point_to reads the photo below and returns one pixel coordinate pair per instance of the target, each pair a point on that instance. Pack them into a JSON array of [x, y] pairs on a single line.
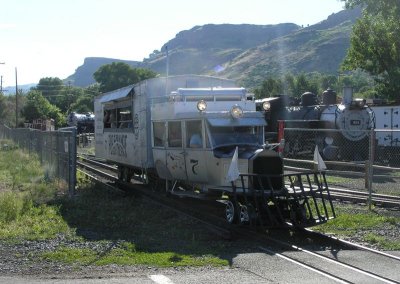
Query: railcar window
[[124, 118], [118, 118], [174, 134], [159, 134], [235, 135], [194, 134], [110, 118]]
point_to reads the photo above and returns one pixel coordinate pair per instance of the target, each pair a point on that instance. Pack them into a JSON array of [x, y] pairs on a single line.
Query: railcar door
[[196, 152], [175, 153]]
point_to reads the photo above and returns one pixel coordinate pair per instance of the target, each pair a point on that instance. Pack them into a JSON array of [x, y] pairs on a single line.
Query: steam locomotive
[[83, 122], [340, 129]]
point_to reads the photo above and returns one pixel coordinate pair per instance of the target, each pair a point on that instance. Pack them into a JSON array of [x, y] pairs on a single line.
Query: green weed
[[30, 222], [18, 169], [11, 206], [348, 223], [382, 242], [126, 254]]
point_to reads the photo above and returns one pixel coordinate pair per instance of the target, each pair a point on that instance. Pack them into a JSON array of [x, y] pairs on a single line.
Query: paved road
[[247, 268]]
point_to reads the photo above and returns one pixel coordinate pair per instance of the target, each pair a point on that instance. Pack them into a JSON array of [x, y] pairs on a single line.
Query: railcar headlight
[[236, 111], [266, 106], [201, 105]]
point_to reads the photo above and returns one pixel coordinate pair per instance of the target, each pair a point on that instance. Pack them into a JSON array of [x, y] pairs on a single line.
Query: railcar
[[345, 124], [201, 137]]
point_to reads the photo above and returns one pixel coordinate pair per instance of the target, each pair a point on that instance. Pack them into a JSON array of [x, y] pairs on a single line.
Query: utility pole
[[167, 71], [16, 98], [1, 81]]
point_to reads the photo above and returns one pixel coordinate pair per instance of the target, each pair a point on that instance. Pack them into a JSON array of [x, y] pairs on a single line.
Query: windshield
[[238, 135]]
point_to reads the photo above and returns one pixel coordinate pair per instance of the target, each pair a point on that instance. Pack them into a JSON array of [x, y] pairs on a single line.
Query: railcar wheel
[[244, 216], [231, 212], [236, 213], [120, 172], [126, 175]]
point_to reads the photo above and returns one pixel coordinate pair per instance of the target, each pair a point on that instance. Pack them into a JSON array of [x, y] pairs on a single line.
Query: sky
[[51, 38]]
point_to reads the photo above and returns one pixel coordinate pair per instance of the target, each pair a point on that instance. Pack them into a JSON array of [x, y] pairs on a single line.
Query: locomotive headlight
[[357, 103], [266, 106], [236, 111], [201, 105]]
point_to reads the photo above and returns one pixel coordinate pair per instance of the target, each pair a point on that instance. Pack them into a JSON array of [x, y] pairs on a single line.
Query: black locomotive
[[340, 130], [83, 122]]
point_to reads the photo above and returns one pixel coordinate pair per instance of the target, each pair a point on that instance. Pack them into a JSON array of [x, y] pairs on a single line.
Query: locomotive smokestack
[[347, 95]]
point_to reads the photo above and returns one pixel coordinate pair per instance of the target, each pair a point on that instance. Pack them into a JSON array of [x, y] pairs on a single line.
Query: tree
[[302, 85], [289, 82], [50, 88], [375, 44], [83, 104], [2, 107], [144, 74], [119, 74], [295, 86], [37, 106], [271, 87]]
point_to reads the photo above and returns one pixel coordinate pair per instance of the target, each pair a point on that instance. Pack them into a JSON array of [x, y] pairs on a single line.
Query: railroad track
[[325, 258], [381, 200], [342, 194], [342, 271], [322, 262], [104, 173]]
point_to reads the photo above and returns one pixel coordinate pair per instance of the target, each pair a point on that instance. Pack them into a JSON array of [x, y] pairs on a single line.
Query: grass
[[361, 222], [24, 193], [18, 169], [21, 220], [152, 234], [129, 230], [330, 179], [126, 254], [104, 227]]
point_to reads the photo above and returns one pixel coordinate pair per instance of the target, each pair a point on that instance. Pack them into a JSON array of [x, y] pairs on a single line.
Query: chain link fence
[[357, 160], [86, 143], [55, 149]]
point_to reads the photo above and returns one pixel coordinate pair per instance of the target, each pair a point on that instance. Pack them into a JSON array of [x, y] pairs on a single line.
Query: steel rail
[[337, 262], [307, 266], [354, 245]]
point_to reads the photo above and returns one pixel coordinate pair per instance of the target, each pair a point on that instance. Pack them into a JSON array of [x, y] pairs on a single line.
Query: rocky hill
[[246, 53], [83, 75]]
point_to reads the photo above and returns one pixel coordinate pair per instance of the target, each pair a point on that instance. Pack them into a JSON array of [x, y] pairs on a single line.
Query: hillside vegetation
[[246, 53]]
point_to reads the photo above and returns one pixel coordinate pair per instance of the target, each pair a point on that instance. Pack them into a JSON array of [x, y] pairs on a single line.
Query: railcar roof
[[117, 94]]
